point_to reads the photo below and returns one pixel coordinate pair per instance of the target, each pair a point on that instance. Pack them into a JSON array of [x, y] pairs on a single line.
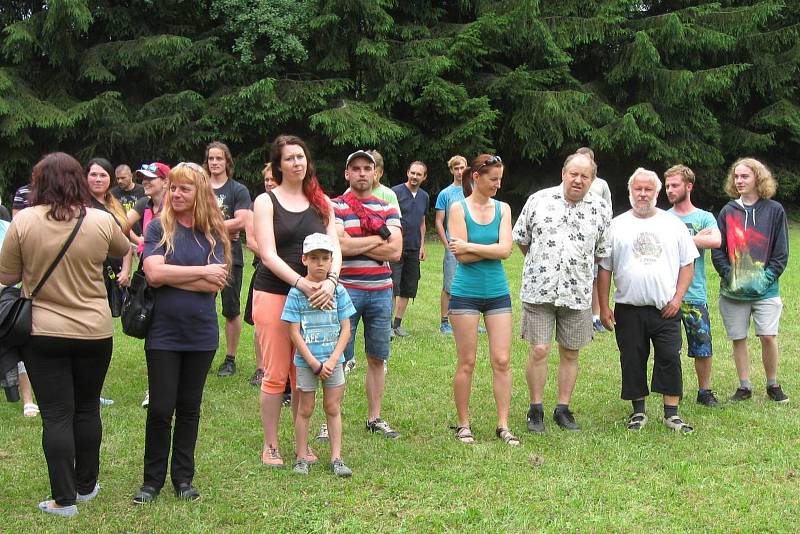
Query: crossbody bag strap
[[58, 258]]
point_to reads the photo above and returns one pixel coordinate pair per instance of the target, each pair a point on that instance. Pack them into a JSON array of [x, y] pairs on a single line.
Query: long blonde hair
[[206, 215], [766, 185]]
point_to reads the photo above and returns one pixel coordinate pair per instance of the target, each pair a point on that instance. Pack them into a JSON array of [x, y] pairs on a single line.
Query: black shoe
[[565, 420], [536, 420], [255, 380], [145, 495], [228, 368], [186, 492], [707, 399], [741, 394], [776, 393], [287, 400]]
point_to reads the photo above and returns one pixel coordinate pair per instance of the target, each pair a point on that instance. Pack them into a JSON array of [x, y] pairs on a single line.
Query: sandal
[[507, 437], [464, 434], [271, 457], [676, 423], [637, 421], [30, 410]]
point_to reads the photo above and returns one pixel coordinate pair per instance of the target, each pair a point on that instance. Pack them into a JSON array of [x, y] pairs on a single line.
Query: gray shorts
[[573, 327], [308, 381], [448, 270], [736, 315]]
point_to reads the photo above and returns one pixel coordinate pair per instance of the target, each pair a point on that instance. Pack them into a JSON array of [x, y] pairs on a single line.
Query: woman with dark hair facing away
[[70, 348], [282, 219], [480, 237], [187, 256]]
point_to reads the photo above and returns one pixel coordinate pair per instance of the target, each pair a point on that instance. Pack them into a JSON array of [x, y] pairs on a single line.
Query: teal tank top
[[484, 279]]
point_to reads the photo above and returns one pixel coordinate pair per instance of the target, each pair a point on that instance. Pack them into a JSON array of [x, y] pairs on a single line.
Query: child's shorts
[[308, 381]]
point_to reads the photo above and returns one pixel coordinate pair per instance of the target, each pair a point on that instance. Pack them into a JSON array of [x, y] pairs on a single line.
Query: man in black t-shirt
[[234, 200], [127, 192]]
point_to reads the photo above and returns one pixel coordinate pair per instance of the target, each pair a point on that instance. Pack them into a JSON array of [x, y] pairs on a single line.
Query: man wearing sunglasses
[[561, 231]]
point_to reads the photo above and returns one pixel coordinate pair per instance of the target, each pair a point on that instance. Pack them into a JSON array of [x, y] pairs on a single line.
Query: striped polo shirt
[[362, 272]]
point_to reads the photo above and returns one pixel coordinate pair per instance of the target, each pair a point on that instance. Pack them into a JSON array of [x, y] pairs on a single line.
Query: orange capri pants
[[276, 346]]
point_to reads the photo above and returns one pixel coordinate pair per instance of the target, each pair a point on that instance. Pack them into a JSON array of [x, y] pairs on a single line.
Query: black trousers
[[67, 376], [636, 327], [176, 380]]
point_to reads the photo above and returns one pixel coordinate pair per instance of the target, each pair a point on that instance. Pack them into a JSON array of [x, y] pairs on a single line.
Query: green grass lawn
[[738, 472]]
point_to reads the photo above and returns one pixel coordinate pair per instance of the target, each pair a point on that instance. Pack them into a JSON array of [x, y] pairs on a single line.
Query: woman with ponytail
[[282, 219], [480, 238]]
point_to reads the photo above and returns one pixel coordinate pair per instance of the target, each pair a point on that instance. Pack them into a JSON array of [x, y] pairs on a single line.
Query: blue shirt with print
[[320, 328], [696, 221]]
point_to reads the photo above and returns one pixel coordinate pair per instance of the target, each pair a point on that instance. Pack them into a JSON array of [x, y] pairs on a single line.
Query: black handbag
[[16, 317], [137, 305]]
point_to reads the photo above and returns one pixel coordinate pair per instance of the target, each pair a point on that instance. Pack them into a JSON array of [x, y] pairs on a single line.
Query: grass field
[[737, 473]]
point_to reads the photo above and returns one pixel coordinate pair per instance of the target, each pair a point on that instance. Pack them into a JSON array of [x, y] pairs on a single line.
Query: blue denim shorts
[[375, 308], [476, 306]]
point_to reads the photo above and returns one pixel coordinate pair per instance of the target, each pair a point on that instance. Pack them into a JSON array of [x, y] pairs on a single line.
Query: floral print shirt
[[563, 240]]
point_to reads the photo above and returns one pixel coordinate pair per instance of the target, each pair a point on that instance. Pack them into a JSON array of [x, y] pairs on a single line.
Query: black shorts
[[636, 327], [248, 306], [405, 274], [231, 294]]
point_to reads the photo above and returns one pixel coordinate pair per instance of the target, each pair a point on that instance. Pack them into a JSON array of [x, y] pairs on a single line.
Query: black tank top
[[290, 228]]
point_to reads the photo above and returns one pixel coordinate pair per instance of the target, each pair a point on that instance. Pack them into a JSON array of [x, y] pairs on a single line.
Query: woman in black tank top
[[282, 219]]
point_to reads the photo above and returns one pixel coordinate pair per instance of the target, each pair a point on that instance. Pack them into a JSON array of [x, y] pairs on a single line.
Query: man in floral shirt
[[561, 231]]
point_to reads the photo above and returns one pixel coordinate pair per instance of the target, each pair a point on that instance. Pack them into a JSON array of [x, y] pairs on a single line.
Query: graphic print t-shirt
[[646, 257], [232, 197], [695, 222], [320, 328]]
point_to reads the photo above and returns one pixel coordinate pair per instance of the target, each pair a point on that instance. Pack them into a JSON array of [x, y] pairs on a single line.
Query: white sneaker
[[146, 400]]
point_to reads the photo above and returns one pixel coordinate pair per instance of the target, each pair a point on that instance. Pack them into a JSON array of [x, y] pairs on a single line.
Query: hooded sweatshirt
[[754, 249]]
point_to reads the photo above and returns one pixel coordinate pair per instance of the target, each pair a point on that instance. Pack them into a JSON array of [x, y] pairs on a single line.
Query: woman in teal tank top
[[480, 238]]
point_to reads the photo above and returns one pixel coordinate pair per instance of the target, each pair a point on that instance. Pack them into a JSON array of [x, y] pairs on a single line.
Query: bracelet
[[296, 281], [318, 371]]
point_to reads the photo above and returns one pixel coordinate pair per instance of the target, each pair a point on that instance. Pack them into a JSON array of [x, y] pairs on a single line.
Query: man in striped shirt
[[370, 237]]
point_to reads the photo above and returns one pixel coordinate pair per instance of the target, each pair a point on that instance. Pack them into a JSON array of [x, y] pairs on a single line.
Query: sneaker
[[536, 420], [565, 420], [399, 332], [106, 402], [255, 380], [323, 433], [145, 495], [598, 326], [89, 496], [228, 367], [300, 466], [481, 329], [271, 457], [446, 329], [776, 393], [707, 399], [49, 507], [379, 426], [676, 423], [146, 400], [339, 469], [741, 394], [287, 400], [349, 365]]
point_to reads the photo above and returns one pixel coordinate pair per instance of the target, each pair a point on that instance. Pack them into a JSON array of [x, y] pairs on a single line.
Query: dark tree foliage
[[643, 83]]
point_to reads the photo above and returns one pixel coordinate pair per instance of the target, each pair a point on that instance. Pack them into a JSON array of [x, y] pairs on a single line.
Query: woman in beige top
[[70, 348]]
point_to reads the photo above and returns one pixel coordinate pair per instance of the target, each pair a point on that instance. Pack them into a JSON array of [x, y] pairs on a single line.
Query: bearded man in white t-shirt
[[653, 262]]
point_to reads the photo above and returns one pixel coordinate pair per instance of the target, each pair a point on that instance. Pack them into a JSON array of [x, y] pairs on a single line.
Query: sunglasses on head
[[150, 167], [193, 166], [492, 160]]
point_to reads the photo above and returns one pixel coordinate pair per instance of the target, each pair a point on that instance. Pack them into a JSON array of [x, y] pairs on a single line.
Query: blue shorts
[[697, 326], [448, 270], [476, 306], [375, 307]]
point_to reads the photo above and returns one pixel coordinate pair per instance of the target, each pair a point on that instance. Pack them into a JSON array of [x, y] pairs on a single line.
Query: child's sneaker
[[379, 426], [339, 469]]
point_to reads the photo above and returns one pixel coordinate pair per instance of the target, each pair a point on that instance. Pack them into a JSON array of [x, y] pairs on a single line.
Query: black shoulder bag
[[137, 305], [16, 319]]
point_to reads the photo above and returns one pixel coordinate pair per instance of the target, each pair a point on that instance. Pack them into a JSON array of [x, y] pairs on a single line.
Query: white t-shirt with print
[[646, 257]]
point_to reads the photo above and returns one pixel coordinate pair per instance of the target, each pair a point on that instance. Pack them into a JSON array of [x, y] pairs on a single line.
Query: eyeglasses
[[491, 161]]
